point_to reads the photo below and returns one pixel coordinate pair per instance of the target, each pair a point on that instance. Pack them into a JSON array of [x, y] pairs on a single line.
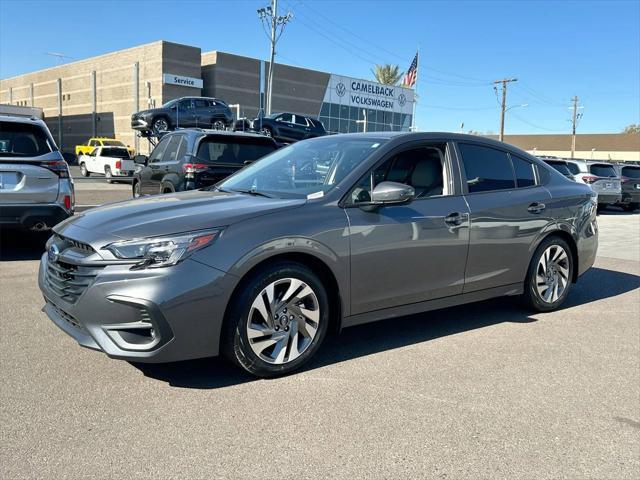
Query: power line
[[536, 126]]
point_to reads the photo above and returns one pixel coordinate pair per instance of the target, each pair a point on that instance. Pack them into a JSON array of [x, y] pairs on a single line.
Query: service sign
[[171, 79], [364, 94]]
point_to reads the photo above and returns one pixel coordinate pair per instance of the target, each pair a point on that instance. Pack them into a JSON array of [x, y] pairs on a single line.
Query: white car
[[112, 162]]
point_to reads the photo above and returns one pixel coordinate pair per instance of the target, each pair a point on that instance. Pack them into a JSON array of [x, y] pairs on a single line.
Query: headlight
[[163, 251]]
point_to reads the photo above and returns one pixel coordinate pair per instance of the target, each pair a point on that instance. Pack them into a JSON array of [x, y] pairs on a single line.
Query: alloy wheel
[[160, 125], [219, 125], [265, 131], [552, 274], [283, 321]]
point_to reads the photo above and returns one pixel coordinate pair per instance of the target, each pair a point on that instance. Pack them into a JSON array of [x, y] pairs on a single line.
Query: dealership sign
[[361, 93], [171, 79]]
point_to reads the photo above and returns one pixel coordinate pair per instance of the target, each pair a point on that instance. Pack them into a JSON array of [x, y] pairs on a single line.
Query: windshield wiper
[[252, 192]]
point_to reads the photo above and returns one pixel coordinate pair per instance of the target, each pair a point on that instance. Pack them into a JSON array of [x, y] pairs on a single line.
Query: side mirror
[[391, 193], [141, 159]]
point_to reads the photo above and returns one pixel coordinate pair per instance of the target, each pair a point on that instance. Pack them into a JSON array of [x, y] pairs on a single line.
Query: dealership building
[[96, 96]]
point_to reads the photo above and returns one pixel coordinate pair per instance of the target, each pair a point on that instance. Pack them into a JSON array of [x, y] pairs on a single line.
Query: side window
[[486, 168], [182, 149], [422, 168], [171, 152], [524, 172], [285, 117], [92, 143], [300, 120], [573, 168], [201, 103], [156, 155], [185, 105]]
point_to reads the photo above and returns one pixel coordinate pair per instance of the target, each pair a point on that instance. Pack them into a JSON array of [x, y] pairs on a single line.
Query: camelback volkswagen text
[[324, 234]]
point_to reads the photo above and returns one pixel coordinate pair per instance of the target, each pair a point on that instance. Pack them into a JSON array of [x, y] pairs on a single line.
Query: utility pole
[[574, 123], [269, 17], [503, 107]]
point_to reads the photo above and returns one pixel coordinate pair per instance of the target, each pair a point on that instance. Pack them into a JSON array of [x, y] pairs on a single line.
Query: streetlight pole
[[269, 16], [574, 123]]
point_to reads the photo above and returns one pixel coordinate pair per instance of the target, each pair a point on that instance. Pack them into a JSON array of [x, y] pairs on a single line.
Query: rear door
[[508, 211], [301, 127], [23, 148]]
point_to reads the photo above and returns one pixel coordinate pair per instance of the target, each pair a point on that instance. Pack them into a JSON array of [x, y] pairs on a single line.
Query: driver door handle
[[536, 207], [455, 218]]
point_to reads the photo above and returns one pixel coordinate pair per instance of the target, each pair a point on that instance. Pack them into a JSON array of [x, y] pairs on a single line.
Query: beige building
[[590, 146], [96, 96]]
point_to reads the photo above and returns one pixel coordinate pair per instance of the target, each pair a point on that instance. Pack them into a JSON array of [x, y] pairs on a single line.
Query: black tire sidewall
[[236, 344], [531, 293], [83, 170]]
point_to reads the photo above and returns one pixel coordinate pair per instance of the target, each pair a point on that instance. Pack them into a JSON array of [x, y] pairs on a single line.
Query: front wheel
[[549, 276], [219, 125], [83, 170], [266, 131], [160, 125], [278, 321]]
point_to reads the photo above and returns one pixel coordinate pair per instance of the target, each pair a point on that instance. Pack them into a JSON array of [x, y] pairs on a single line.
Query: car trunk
[[604, 178], [25, 182]]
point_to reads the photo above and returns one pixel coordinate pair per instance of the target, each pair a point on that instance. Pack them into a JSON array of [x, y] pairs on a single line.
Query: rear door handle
[[536, 207], [454, 219]]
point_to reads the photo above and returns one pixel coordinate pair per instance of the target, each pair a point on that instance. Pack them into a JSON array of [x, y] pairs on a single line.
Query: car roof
[[222, 133], [21, 119]]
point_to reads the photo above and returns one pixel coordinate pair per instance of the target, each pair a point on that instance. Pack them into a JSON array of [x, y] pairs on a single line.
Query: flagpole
[[415, 93]]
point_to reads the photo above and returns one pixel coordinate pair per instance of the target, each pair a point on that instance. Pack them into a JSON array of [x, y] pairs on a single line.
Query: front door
[[286, 127], [508, 212], [148, 184], [409, 253]]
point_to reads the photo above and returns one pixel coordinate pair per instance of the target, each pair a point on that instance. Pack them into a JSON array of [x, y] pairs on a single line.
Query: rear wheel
[[219, 125], [83, 170], [277, 321], [136, 190], [108, 175], [550, 275]]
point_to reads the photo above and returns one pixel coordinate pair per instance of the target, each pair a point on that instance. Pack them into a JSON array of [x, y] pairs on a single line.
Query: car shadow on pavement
[[363, 340], [18, 245]]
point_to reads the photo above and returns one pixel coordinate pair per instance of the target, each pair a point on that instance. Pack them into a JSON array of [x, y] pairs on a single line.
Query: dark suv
[[185, 112], [630, 180], [288, 127], [194, 158]]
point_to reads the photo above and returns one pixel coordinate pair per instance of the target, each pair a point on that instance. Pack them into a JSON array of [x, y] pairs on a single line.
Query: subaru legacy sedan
[[318, 236]]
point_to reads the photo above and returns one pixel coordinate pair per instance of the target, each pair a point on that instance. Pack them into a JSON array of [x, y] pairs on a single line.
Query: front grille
[[70, 319], [69, 281], [74, 244]]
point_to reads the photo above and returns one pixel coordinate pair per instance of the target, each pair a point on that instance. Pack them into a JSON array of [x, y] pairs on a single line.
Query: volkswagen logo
[[341, 89], [402, 99], [53, 253]]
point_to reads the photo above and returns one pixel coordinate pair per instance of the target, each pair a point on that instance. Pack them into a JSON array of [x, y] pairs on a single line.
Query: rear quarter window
[[525, 176], [19, 139], [573, 168]]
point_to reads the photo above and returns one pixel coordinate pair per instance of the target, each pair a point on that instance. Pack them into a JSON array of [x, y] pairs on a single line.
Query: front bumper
[[151, 315], [139, 124]]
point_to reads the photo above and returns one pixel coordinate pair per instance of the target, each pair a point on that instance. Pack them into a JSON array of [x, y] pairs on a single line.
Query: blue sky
[[556, 49]]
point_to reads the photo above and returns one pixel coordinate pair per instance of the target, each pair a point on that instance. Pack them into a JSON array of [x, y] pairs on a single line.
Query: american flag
[[412, 74]]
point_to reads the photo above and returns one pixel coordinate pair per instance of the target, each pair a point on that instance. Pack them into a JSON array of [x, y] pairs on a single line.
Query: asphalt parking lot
[[483, 390]]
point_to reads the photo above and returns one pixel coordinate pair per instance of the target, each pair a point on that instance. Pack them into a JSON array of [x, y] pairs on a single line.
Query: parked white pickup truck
[[112, 162]]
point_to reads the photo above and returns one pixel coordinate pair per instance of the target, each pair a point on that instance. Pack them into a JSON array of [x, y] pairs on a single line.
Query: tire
[[160, 125], [266, 131], [546, 292], [274, 354], [168, 188], [136, 190], [219, 124], [632, 207], [108, 175], [83, 170]]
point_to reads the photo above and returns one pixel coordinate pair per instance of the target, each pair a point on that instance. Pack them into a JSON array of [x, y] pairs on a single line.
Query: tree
[[387, 74], [633, 128]]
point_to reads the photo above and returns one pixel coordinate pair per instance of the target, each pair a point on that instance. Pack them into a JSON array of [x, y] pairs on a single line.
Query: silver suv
[[36, 190], [602, 177]]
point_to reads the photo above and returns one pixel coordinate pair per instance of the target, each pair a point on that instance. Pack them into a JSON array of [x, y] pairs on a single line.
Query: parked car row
[[615, 184]]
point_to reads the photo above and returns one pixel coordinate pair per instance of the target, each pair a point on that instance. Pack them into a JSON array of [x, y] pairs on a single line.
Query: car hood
[[151, 111], [168, 214]]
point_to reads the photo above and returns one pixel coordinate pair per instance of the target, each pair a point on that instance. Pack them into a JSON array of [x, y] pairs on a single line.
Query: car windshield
[[18, 139], [170, 103], [561, 167], [603, 170], [631, 172], [306, 169], [235, 151], [112, 143]]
